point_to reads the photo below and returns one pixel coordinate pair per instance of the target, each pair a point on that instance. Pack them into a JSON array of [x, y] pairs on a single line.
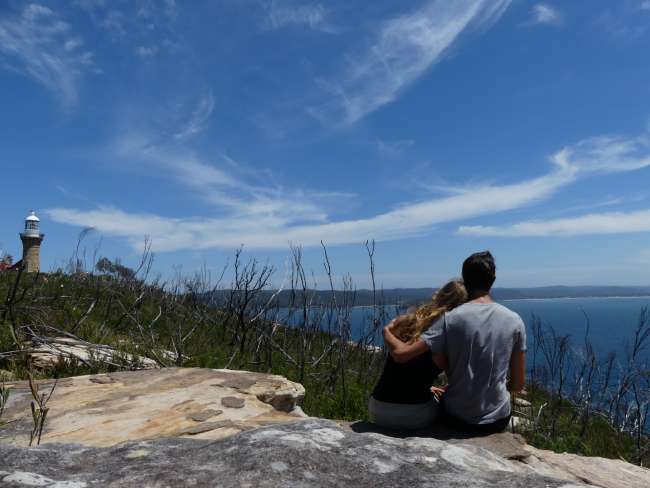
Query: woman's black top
[[407, 382]]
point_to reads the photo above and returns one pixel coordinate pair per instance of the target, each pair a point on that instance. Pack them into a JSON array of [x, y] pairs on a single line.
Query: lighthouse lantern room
[[32, 239]]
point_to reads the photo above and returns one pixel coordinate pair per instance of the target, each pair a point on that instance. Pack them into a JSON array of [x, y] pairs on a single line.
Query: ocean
[[611, 320]]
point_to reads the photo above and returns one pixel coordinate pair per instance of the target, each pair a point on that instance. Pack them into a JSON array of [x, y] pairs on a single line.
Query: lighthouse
[[32, 239]]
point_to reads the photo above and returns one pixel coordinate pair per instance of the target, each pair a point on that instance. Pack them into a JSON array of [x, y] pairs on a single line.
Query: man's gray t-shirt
[[478, 339]]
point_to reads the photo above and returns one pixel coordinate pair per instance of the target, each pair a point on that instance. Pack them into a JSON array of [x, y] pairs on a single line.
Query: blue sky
[[436, 128]]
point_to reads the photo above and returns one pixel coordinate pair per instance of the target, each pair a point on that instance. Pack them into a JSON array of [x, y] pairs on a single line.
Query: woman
[[402, 399]]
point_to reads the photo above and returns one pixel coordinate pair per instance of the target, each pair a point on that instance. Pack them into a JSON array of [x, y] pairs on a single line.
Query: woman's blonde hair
[[409, 327]]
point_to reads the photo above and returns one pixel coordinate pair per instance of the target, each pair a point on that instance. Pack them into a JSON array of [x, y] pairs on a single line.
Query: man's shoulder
[[506, 311], [459, 310], [509, 318], [474, 309]]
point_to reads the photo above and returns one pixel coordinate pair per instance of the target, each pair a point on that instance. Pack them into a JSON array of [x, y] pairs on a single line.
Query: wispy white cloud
[[607, 202], [221, 186], [595, 155], [140, 25], [114, 21], [72, 44], [255, 227], [256, 214], [622, 23], [596, 223], [403, 50], [543, 13], [198, 119], [146, 51], [606, 154], [41, 45], [282, 14], [262, 216], [149, 9], [644, 5], [392, 149]]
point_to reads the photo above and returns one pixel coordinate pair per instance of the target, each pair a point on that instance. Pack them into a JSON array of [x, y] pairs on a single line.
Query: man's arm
[[517, 371], [402, 352]]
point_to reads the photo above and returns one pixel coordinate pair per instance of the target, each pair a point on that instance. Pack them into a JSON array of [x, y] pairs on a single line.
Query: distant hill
[[410, 296], [571, 292]]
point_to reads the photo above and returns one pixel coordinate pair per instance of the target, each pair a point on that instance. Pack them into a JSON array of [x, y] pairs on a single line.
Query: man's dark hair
[[479, 272]]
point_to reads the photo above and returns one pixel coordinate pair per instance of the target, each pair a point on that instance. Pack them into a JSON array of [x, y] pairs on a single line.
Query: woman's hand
[[438, 391]]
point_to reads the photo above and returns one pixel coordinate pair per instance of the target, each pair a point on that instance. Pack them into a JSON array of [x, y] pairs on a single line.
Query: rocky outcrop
[[309, 453], [597, 471], [204, 427], [607, 473], [47, 352], [107, 409]]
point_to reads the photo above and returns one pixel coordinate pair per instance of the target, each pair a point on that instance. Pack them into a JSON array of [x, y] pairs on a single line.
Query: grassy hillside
[[173, 324], [579, 405]]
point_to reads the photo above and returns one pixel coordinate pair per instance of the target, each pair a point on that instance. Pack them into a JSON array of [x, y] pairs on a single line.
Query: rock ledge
[[108, 409], [307, 453]]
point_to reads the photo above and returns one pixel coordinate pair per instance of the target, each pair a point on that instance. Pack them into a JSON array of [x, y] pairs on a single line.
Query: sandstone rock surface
[[107, 409], [597, 471], [307, 453], [205, 427], [48, 353], [607, 473]]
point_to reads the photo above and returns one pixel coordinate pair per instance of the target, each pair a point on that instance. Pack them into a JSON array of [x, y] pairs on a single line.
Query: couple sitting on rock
[[479, 344]]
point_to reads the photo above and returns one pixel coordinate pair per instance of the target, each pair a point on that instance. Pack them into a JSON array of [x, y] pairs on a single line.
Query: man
[[479, 344]]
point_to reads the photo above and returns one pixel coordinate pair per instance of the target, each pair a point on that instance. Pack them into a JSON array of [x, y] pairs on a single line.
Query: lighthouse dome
[[32, 224]]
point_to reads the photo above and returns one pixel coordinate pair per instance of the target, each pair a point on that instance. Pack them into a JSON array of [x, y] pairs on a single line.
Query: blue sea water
[[611, 320]]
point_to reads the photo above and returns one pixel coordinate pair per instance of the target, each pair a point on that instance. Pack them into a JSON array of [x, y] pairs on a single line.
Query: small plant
[[39, 410], [4, 399]]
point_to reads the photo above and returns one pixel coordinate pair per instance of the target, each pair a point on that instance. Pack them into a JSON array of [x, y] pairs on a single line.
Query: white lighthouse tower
[[32, 239]]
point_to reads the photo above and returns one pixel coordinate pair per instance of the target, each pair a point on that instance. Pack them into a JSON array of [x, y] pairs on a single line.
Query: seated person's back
[[478, 344], [407, 383], [402, 398], [478, 340]]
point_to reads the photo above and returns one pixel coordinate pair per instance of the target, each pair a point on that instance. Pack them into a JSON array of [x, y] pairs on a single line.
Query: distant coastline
[[412, 296], [575, 298]]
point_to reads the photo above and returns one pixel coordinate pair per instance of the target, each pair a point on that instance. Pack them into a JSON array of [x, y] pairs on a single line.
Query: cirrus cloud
[[596, 223], [40, 45], [543, 13], [282, 14], [259, 217], [403, 49]]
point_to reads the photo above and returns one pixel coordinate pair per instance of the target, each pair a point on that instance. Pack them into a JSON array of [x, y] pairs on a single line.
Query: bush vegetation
[[589, 405], [579, 404]]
